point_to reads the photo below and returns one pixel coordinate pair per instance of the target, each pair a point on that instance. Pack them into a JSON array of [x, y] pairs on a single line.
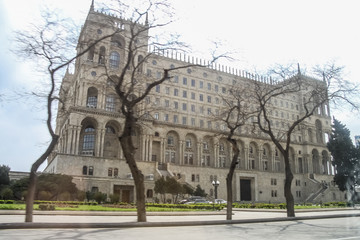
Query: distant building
[[15, 175], [180, 139]]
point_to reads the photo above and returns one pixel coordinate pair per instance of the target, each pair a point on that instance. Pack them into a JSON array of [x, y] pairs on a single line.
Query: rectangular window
[[176, 92], [192, 107], [184, 94], [110, 172], [209, 99], [223, 90], [110, 103], [156, 116], [176, 79], [148, 72], [209, 86], [201, 84], [273, 181], [192, 121], [167, 103], [209, 111], [273, 193], [184, 120], [193, 82], [216, 88], [167, 90], [158, 75], [201, 97], [201, 109], [176, 119], [166, 117], [193, 95], [185, 81], [176, 105], [201, 123], [91, 170], [184, 106]]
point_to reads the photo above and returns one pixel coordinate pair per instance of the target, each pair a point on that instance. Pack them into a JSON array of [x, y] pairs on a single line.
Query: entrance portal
[[125, 192], [245, 190]]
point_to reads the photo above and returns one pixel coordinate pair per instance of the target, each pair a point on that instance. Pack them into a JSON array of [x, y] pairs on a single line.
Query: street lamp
[[215, 184]]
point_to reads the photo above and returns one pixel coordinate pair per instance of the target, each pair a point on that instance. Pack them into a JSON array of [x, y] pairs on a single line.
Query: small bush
[[114, 198], [7, 194], [47, 207]]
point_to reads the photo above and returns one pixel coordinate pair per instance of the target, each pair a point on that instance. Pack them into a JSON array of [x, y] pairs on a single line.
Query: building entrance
[[126, 193], [245, 189]]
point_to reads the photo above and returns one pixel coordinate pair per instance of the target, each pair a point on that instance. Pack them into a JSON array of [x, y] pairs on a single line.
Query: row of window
[[297, 182]]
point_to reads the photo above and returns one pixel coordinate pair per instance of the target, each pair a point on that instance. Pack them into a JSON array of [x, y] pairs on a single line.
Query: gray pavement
[[64, 219]]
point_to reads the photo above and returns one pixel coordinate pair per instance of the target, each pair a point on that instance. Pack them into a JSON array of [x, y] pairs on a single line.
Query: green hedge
[[201, 206], [7, 201], [65, 202]]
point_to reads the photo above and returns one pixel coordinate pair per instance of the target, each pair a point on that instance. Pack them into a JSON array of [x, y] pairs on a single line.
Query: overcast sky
[[261, 32]]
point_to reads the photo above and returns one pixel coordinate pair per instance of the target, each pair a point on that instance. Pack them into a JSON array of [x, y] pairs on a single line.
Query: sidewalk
[[14, 219]]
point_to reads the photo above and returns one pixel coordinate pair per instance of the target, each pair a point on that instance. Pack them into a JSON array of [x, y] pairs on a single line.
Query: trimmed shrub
[[47, 207]]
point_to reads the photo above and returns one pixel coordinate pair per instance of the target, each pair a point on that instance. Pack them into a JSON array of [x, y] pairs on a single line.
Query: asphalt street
[[330, 225]]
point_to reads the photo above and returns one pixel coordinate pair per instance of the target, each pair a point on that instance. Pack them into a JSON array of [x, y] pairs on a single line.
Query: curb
[[32, 225]]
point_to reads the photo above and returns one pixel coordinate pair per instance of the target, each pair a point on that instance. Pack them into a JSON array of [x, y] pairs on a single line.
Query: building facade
[[179, 136]]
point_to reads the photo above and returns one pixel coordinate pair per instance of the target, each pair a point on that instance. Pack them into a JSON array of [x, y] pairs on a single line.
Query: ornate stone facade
[[179, 137]]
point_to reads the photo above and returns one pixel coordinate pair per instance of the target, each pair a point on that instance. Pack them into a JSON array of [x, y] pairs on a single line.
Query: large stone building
[[180, 139]]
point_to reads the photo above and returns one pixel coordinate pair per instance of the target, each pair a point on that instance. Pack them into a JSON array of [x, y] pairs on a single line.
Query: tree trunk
[[129, 152], [30, 197], [229, 180], [32, 184], [287, 188]]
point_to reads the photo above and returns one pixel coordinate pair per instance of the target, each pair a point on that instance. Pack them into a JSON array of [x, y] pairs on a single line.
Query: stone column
[[199, 153], [143, 147], [77, 140], [216, 154], [162, 150], [181, 152], [150, 148], [246, 157]]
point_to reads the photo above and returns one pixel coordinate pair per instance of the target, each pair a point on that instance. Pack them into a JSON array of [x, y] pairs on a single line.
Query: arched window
[[140, 63], [117, 41], [149, 193], [91, 170], [319, 137], [102, 55], [116, 172], [89, 141], [111, 143], [110, 130], [91, 54], [110, 171], [85, 170], [114, 60], [92, 97], [170, 141]]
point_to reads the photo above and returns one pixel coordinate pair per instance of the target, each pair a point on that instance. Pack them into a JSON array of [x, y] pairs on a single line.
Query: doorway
[[126, 193], [245, 189]]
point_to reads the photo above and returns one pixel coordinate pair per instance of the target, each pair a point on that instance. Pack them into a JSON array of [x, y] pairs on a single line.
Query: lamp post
[[215, 184]]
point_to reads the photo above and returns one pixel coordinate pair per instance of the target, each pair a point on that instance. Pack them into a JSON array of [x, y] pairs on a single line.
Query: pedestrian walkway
[[67, 219]]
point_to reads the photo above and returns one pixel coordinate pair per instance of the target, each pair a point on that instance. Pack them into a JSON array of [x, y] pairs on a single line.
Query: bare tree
[[133, 85], [316, 94], [50, 44], [235, 113]]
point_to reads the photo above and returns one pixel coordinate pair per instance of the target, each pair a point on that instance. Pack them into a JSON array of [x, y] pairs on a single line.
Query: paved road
[[323, 229], [113, 217], [346, 228]]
